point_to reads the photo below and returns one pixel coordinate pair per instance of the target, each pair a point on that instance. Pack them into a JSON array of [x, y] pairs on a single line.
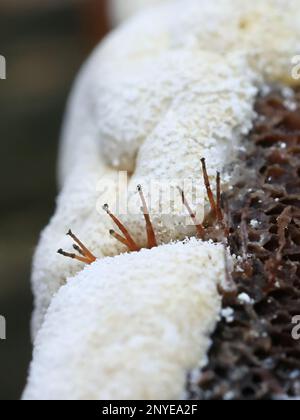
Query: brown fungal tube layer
[[253, 355]]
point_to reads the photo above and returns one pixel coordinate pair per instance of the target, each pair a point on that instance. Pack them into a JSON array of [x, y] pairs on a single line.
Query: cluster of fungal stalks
[[84, 256], [213, 227], [254, 355], [127, 238]]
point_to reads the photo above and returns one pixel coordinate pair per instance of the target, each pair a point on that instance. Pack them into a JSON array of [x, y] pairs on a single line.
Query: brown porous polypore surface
[[254, 355]]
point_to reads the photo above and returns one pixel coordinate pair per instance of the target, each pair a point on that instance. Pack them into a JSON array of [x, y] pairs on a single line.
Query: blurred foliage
[[44, 49]]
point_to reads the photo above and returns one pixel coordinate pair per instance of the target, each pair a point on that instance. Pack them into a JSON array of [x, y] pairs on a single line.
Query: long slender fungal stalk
[[199, 226], [152, 242], [74, 256], [130, 241], [220, 216], [208, 188]]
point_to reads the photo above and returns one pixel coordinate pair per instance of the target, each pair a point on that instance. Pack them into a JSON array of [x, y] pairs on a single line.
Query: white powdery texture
[[130, 327], [155, 118], [153, 100], [174, 84], [267, 31]]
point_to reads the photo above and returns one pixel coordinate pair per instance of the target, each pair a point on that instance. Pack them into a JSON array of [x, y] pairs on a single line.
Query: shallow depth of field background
[[44, 43]]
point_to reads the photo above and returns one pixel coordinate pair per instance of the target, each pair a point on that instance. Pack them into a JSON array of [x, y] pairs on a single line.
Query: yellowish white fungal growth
[[130, 327], [155, 119], [173, 85]]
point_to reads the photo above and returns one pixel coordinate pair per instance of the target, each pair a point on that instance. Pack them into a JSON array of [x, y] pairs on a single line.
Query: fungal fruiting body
[[187, 89], [127, 239], [88, 258], [85, 255], [124, 321], [213, 226], [174, 112], [215, 216]]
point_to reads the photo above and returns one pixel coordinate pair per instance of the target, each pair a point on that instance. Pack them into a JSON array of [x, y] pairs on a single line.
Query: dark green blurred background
[[44, 43]]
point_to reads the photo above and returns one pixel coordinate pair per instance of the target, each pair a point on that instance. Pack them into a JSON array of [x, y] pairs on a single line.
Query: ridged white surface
[[172, 85], [130, 327], [156, 118]]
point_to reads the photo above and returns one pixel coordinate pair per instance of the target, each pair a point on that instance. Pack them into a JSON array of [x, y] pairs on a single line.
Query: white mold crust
[[174, 84], [130, 327]]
